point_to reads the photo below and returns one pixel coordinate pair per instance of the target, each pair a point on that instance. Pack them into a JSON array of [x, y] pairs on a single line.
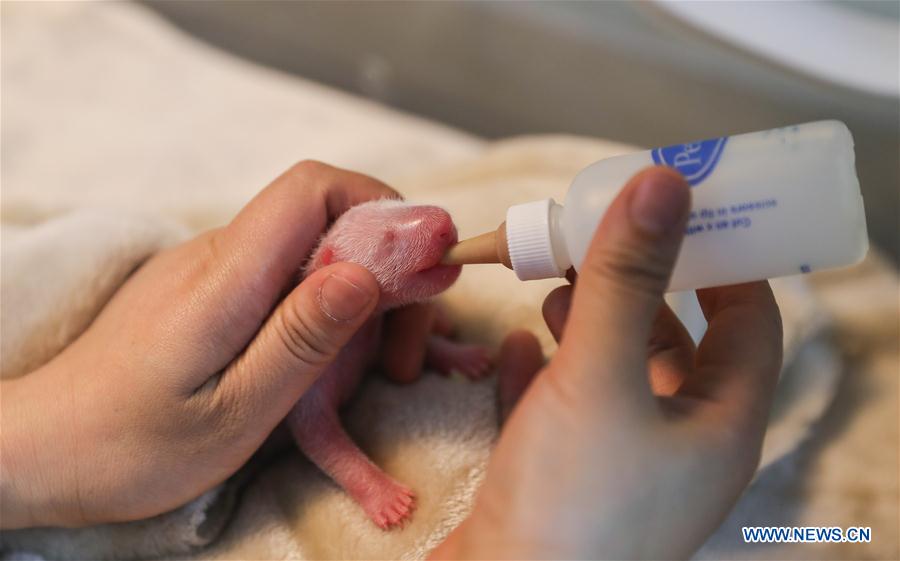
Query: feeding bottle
[[764, 204]]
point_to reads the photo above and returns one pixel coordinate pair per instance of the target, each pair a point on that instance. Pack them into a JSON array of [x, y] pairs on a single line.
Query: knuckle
[[303, 337], [219, 406], [308, 168], [309, 174], [631, 270]]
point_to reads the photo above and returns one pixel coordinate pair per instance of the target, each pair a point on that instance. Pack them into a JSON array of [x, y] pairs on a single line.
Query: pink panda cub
[[402, 246]]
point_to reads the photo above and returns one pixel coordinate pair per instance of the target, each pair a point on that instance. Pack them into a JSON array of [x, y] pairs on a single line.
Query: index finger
[[739, 358], [269, 241]]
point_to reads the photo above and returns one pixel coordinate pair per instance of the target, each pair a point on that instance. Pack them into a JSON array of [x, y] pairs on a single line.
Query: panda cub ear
[[326, 256]]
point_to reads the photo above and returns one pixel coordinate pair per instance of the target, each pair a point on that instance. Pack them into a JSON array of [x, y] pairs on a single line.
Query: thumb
[[622, 280], [300, 339]]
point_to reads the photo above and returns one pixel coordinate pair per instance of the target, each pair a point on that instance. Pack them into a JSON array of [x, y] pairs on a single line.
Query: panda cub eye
[[388, 243]]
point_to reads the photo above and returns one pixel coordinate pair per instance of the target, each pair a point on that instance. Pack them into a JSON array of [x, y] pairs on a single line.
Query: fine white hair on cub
[[391, 238]]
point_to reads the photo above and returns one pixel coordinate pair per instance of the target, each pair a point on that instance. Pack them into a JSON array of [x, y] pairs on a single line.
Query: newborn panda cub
[[402, 246]]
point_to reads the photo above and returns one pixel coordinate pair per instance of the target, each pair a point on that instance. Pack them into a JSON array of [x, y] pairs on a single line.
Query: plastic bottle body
[[764, 205]]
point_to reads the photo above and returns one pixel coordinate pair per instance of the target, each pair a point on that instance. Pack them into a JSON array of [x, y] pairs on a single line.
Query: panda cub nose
[[445, 231]]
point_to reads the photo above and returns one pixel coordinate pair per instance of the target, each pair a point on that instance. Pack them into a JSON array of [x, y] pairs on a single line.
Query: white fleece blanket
[[106, 106]]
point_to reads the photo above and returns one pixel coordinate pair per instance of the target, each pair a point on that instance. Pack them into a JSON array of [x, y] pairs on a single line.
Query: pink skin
[[402, 246], [447, 356]]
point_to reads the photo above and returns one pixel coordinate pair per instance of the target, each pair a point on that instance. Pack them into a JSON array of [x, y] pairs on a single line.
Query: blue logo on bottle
[[695, 160]]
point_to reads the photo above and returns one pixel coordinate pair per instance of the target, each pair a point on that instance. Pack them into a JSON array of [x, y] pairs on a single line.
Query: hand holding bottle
[[630, 443]]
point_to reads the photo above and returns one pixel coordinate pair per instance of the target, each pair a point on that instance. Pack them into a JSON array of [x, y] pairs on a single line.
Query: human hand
[[190, 366], [631, 442]]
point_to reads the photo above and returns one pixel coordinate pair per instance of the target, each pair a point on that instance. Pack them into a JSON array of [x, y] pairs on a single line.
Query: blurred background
[[644, 73]]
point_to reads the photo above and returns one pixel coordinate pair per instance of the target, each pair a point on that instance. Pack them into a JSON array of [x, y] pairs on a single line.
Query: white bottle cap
[[528, 238]]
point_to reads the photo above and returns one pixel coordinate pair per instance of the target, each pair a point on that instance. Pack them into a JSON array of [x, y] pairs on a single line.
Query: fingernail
[[659, 202], [341, 300]]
